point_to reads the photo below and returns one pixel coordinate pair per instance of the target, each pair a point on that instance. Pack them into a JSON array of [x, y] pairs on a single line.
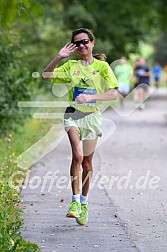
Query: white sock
[[76, 197], [83, 199]]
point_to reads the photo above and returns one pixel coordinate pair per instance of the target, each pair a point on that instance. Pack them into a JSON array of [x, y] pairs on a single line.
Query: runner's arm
[[65, 52], [48, 71], [110, 94]]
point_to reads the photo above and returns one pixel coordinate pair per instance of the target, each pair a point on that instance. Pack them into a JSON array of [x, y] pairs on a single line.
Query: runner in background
[[123, 72], [156, 70], [142, 82]]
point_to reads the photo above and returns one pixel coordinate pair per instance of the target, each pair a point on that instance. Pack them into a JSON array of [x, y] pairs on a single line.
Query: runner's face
[[142, 62], [85, 46]]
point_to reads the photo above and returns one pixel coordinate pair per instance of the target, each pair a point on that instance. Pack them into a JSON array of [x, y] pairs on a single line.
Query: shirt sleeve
[[62, 74], [109, 77]]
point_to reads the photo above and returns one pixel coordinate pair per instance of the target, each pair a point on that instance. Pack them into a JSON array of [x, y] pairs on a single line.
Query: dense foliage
[[10, 212], [119, 26], [15, 79]]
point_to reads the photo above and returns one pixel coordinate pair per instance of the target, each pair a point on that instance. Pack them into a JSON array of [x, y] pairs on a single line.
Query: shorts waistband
[[75, 114]]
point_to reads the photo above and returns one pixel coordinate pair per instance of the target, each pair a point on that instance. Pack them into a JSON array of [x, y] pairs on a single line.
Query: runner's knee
[[87, 165], [77, 158]]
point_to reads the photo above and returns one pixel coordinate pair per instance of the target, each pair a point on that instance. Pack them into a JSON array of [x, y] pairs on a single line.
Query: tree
[[119, 25], [160, 54], [15, 75]]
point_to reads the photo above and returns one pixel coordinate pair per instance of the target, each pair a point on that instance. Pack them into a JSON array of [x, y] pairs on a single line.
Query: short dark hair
[[100, 56], [82, 30]]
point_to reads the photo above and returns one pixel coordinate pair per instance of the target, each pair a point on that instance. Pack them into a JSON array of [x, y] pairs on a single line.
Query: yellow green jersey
[[93, 79], [123, 73]]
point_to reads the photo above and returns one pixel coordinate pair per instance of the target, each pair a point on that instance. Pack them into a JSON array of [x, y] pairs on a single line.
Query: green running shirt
[[93, 79], [123, 73]]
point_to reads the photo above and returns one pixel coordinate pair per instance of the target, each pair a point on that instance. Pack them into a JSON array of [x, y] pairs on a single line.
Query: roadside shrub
[[15, 82]]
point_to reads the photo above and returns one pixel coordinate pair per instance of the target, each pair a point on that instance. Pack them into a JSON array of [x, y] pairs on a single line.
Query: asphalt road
[[127, 200]]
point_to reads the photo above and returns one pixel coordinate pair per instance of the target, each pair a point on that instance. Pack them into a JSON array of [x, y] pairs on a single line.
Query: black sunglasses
[[83, 42]]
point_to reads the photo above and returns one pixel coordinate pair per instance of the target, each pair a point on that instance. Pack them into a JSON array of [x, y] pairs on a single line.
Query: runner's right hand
[[67, 50]]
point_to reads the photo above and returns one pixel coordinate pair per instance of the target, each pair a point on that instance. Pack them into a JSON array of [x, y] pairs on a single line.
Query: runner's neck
[[87, 62]]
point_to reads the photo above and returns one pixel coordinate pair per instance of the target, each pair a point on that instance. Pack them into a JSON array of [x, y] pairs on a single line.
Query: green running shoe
[[83, 218], [74, 210]]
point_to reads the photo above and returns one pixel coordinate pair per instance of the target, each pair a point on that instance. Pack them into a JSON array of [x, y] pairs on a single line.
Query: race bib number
[[87, 91]]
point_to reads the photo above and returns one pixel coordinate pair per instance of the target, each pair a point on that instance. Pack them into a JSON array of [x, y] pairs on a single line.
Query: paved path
[[125, 213]]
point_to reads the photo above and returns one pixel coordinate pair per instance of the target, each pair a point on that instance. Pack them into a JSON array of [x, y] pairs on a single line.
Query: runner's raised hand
[[67, 50]]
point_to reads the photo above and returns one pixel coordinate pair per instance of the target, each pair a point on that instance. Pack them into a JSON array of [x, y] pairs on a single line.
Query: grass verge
[[11, 220]]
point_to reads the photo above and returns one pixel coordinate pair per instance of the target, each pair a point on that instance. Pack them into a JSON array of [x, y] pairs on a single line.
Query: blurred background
[[32, 32]]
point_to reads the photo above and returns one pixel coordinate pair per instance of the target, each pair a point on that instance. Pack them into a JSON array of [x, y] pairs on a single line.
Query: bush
[[15, 82], [10, 212]]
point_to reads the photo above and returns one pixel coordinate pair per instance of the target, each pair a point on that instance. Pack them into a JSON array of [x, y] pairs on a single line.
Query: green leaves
[[25, 10], [10, 211], [14, 82], [78, 16], [11, 222], [123, 24]]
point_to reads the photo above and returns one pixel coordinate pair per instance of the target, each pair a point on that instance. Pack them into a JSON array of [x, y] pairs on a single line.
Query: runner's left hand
[[82, 98]]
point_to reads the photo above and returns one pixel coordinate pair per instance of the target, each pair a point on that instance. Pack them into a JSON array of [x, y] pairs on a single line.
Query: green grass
[[10, 212], [11, 146]]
